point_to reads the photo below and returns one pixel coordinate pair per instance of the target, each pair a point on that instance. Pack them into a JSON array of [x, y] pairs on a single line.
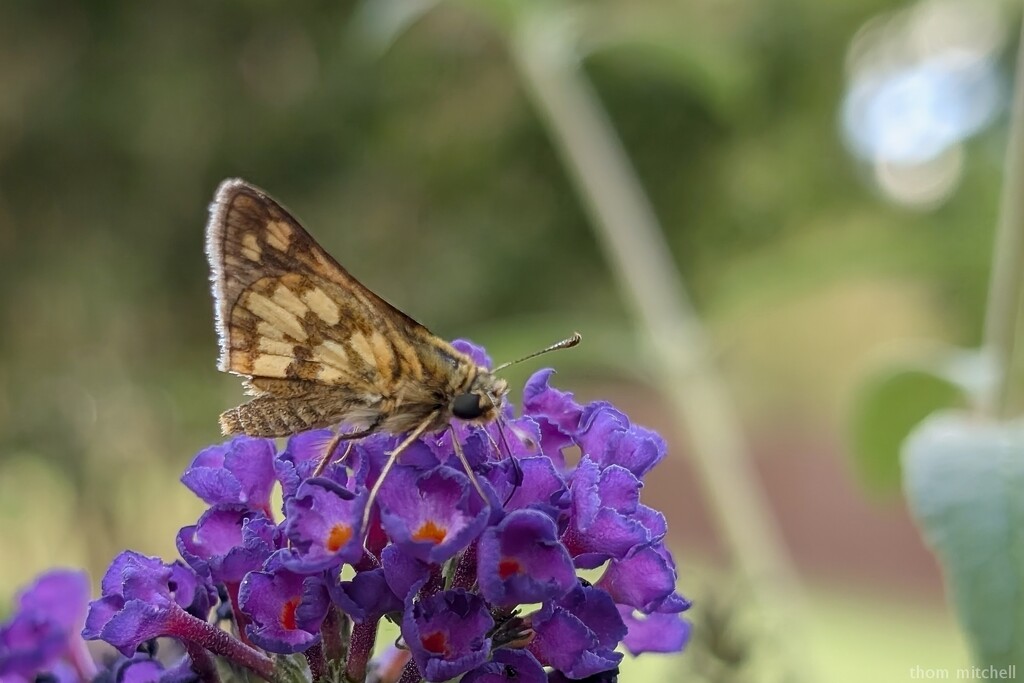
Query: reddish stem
[[81, 658], [410, 674], [434, 584], [465, 570], [193, 631], [331, 635], [241, 621], [317, 665], [202, 662], [360, 647]]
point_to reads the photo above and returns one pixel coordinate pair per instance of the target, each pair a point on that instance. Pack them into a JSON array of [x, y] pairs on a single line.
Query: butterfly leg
[[392, 458], [517, 477], [340, 436], [465, 465]]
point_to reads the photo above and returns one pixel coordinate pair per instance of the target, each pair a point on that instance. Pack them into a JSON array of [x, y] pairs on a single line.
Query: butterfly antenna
[[572, 341]]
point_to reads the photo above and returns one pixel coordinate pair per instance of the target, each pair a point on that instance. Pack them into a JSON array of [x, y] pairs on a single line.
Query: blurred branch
[[635, 246], [1001, 314]]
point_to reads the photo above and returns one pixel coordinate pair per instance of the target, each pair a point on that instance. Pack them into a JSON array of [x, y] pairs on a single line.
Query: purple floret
[[607, 520], [43, 632], [521, 561], [366, 597], [228, 542], [433, 515], [324, 525], [577, 634], [447, 633], [508, 666], [645, 580], [606, 436], [286, 608], [658, 632], [240, 471], [143, 598]]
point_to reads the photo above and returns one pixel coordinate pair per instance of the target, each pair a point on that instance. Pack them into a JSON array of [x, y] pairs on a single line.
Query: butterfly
[[319, 349]]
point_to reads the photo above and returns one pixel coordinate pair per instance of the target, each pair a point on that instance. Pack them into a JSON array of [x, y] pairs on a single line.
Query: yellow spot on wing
[[279, 235], [322, 305], [331, 353], [330, 375], [271, 366], [276, 347], [382, 352], [286, 299], [268, 331], [273, 313], [361, 346], [251, 247]]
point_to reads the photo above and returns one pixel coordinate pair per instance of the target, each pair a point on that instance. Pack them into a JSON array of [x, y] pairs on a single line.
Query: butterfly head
[[482, 400]]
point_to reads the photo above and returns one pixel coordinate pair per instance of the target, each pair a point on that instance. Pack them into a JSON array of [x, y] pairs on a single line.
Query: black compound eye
[[467, 406]]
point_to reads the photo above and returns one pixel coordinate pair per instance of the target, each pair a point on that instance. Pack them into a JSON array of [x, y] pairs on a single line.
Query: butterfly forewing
[[317, 346]]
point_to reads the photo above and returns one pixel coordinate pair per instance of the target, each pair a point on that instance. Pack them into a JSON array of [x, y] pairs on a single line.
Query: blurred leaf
[[379, 23], [692, 43], [894, 399], [963, 480]]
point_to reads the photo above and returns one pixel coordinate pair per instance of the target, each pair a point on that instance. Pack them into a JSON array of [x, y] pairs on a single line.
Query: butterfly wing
[[316, 345]]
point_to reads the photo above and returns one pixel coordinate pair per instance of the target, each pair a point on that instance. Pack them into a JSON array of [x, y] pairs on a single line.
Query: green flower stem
[[625, 224], [1007, 277]]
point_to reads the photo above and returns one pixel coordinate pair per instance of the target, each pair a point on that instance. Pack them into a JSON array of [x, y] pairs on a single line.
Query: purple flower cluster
[[43, 634], [460, 563]]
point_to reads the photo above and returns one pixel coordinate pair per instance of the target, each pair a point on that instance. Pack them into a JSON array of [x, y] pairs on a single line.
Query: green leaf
[[964, 482], [291, 669], [890, 403]]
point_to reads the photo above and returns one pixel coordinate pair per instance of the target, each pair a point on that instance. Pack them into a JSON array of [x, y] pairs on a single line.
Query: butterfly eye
[[467, 406]]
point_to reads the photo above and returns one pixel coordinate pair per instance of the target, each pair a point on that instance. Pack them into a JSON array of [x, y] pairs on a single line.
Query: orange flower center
[[429, 531], [509, 566], [288, 613], [339, 536], [435, 642]]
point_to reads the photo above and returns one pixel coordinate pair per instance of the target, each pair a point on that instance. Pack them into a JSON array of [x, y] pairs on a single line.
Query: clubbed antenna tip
[[572, 341]]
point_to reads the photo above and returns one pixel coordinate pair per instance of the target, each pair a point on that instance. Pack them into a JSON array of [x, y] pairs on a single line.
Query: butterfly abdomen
[[270, 417]]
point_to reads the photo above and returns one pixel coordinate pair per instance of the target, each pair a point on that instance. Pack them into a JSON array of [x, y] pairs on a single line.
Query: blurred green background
[[827, 174]]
